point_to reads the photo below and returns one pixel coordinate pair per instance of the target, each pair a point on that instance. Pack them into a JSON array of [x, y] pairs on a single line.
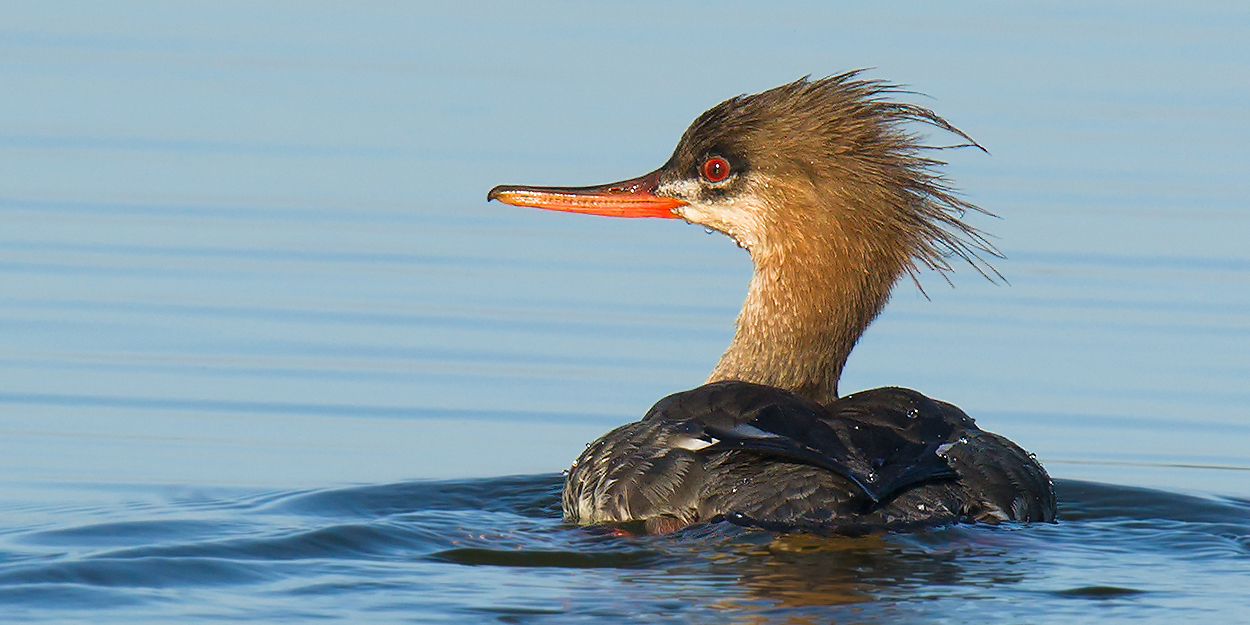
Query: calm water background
[[265, 352]]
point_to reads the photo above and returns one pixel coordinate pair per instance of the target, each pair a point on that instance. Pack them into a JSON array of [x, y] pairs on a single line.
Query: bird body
[[835, 201], [885, 459]]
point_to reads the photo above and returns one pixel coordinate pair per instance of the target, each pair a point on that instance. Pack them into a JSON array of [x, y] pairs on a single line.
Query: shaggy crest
[[865, 138]]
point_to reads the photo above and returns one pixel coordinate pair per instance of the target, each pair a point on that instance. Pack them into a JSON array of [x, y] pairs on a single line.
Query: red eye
[[715, 169]]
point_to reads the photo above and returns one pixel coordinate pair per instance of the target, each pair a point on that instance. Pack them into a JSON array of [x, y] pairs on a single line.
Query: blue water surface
[[267, 354]]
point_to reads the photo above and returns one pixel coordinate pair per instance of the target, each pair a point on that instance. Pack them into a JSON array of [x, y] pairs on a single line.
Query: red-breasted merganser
[[835, 200]]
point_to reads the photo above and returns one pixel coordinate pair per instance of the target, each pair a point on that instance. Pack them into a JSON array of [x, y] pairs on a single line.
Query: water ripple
[[446, 545]]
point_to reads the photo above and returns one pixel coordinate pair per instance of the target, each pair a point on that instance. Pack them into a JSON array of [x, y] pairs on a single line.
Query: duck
[[829, 188]]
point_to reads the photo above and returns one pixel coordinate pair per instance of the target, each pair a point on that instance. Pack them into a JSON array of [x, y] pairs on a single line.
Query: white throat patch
[[740, 218]]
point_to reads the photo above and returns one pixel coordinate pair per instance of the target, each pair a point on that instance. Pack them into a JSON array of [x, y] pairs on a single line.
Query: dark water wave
[[495, 550]]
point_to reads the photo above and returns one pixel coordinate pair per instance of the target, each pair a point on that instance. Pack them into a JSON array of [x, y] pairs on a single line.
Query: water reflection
[[805, 571]]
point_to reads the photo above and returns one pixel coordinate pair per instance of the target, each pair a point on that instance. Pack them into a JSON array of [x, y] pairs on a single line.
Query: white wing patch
[[693, 444]]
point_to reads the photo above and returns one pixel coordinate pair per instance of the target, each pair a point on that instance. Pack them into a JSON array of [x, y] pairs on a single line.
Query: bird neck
[[805, 309]]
